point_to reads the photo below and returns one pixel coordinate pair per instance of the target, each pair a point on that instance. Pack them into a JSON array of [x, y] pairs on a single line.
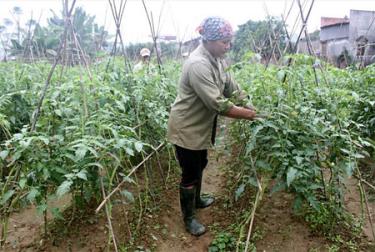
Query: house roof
[[168, 37], [328, 21]]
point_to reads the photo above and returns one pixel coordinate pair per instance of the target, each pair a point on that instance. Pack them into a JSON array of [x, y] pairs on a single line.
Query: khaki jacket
[[203, 88]]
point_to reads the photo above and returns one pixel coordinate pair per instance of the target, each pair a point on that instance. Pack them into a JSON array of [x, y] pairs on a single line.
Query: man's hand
[[241, 113]]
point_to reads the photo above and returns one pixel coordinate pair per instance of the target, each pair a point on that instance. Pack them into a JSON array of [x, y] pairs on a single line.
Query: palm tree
[[45, 40]]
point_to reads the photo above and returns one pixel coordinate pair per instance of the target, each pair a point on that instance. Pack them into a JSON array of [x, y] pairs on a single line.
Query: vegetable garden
[[96, 133]]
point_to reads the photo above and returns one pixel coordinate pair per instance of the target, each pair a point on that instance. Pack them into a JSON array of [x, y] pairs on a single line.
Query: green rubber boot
[[204, 200], [187, 201]]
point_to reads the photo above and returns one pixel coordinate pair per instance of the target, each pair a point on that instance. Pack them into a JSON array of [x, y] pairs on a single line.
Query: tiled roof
[[327, 21]]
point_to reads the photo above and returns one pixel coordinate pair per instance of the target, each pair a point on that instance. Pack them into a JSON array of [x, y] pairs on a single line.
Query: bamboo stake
[[57, 59], [309, 45], [368, 211], [366, 202], [109, 217], [299, 36], [130, 173], [256, 202], [118, 16], [364, 181], [153, 34]]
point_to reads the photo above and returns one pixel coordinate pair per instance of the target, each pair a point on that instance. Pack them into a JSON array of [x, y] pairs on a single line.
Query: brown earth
[[176, 238], [280, 230], [275, 227]]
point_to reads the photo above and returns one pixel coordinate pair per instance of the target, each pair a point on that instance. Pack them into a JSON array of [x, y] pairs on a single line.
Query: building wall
[[335, 48], [337, 31], [335, 38], [302, 47], [362, 23]]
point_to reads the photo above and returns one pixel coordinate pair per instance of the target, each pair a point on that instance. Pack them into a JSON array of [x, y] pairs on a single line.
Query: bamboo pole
[[130, 173], [57, 59]]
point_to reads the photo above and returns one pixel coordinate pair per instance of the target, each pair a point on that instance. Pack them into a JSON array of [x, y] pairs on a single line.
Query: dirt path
[[176, 238], [26, 225], [279, 230], [275, 228], [353, 205]]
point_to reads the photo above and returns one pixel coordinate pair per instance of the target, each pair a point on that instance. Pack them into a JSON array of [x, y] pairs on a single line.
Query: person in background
[[203, 92], [145, 58]]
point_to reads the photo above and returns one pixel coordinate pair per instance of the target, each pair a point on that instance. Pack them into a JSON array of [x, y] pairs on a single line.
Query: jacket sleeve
[[202, 80]]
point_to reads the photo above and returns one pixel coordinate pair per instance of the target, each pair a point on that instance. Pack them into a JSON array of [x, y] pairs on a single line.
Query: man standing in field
[[203, 92]]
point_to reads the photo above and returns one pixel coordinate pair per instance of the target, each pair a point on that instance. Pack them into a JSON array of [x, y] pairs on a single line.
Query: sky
[[180, 17]]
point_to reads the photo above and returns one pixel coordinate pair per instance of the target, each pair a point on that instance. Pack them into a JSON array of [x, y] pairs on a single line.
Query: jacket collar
[[203, 51]]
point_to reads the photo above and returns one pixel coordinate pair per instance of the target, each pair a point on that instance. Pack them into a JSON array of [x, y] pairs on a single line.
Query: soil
[[176, 238], [24, 226], [275, 228]]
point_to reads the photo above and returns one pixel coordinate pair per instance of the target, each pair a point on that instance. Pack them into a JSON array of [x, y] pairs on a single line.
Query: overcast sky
[[180, 17]]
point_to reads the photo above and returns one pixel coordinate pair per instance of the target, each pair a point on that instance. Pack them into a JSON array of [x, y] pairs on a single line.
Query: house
[[334, 39], [362, 36], [346, 40]]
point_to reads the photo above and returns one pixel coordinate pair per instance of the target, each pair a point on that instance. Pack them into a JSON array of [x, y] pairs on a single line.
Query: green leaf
[[58, 112], [25, 143], [32, 194], [82, 175], [56, 213], [120, 143], [291, 175], [6, 197], [46, 174], [44, 139], [297, 205], [126, 178], [280, 74], [92, 151], [349, 168], [80, 153], [128, 195], [299, 159], [345, 151], [138, 146], [253, 181], [357, 155], [263, 164], [41, 208], [313, 202], [64, 188], [22, 183], [4, 154], [129, 151], [278, 187], [70, 156], [239, 191], [95, 164]]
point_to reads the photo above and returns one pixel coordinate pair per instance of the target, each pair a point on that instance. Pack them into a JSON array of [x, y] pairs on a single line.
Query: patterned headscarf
[[215, 28]]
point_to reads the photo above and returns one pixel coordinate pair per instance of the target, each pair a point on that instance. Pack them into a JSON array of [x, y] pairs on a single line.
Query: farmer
[[145, 58], [203, 90]]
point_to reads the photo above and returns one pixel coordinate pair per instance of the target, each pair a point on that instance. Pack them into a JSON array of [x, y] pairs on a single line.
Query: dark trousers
[[192, 163]]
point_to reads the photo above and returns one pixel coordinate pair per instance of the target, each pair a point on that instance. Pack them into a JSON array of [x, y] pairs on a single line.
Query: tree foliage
[[34, 40], [260, 37]]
